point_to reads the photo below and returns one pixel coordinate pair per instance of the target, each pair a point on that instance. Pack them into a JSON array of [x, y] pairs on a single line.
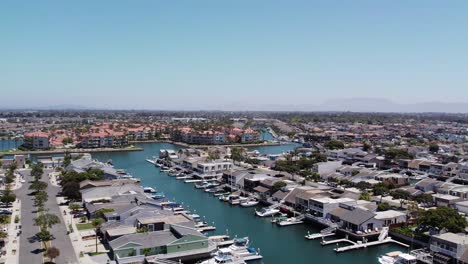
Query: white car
[[22, 181]]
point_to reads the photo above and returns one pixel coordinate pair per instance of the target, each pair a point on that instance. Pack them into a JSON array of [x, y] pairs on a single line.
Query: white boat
[[151, 161], [202, 185], [241, 248], [249, 203], [267, 212], [397, 257], [224, 255], [157, 196], [149, 190]]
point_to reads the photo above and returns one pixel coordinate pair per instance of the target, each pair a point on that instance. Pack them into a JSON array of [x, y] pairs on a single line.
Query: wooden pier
[[336, 241], [369, 244], [318, 235]]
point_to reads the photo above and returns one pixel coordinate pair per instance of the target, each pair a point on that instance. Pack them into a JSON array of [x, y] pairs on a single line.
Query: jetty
[[369, 244], [318, 235], [336, 241]]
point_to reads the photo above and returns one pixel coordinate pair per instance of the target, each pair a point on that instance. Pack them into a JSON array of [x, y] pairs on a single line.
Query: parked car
[[79, 214], [5, 212]]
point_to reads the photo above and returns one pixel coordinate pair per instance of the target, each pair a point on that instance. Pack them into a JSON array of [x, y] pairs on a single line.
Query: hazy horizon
[[395, 56]]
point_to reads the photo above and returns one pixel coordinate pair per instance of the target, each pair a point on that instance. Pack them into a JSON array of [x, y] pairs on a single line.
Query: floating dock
[[369, 244], [318, 235], [336, 241]]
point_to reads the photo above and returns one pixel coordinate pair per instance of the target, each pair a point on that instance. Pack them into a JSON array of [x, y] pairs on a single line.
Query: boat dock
[[318, 235], [336, 241], [222, 240], [369, 244]]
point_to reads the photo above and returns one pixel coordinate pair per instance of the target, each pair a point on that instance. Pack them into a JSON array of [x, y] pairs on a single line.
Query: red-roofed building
[[36, 140], [103, 139]]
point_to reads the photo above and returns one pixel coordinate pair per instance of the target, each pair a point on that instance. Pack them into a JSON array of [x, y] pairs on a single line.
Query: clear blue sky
[[235, 54]]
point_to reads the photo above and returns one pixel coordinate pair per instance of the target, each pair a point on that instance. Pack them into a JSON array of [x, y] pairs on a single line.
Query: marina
[[237, 220]]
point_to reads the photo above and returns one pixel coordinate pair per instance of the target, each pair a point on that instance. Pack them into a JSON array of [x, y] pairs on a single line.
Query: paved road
[[62, 240], [30, 251]]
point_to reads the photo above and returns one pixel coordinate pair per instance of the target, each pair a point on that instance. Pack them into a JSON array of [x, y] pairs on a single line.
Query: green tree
[[40, 198], [100, 213], [3, 235], [396, 154], [383, 207], [362, 185], [425, 199], [72, 191], [8, 197], [38, 186], [37, 170], [74, 207], [46, 220], [434, 148], [278, 186], [67, 140], [334, 144], [236, 153], [4, 219], [443, 218], [44, 235], [380, 189], [365, 196], [400, 194], [366, 146], [97, 222]]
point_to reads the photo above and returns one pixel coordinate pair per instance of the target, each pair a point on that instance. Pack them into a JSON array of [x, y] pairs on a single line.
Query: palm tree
[[97, 222]]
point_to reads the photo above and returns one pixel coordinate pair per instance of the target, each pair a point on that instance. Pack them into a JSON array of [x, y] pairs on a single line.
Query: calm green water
[[277, 245]]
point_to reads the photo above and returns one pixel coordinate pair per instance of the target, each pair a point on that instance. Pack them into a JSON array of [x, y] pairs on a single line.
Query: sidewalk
[[53, 179], [78, 244], [12, 245]]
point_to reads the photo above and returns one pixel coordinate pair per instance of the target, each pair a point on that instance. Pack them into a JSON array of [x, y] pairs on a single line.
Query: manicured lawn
[[84, 226]]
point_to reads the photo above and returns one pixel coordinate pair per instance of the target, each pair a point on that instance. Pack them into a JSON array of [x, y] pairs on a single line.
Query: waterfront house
[[355, 219], [177, 242], [235, 178], [445, 200], [254, 180], [213, 168], [322, 206], [86, 184], [106, 193], [449, 248], [390, 217]]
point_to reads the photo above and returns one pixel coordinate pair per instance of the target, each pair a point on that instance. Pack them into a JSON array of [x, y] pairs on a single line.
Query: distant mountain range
[[333, 105]]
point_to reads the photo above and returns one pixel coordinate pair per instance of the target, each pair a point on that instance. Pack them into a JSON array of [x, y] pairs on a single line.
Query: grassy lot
[[84, 226]]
